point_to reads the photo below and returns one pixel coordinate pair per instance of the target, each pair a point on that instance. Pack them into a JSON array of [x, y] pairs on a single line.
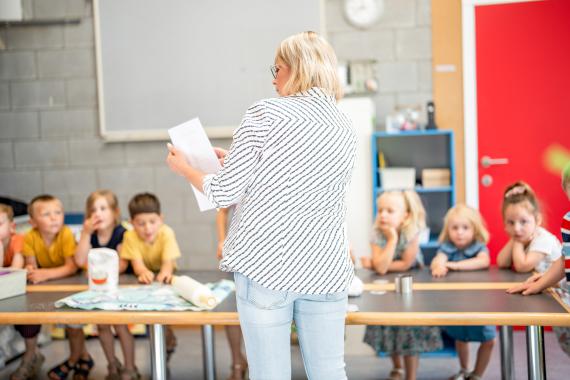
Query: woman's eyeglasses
[[274, 70]]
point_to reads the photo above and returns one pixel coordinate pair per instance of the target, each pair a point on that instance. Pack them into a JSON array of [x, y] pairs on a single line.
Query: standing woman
[[287, 172]]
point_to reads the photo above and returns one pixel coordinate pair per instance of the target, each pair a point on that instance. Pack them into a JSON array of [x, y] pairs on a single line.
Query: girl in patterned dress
[[396, 248]]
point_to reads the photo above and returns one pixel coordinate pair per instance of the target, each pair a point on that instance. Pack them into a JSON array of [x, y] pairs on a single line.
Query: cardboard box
[[436, 178], [397, 178], [12, 282]]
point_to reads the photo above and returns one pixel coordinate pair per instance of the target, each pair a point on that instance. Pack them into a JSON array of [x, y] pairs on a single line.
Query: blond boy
[[48, 252], [151, 247], [11, 243], [49, 246]]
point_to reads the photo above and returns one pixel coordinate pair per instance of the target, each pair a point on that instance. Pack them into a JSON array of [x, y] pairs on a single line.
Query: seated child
[[233, 333], [531, 247], [559, 270], [396, 248], [151, 247], [463, 240], [102, 228], [48, 251], [12, 243]]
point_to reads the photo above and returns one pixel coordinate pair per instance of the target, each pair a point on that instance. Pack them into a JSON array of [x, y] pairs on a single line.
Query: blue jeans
[[265, 316]]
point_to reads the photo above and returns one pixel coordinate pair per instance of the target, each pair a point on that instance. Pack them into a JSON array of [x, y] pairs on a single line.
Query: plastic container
[[103, 269]]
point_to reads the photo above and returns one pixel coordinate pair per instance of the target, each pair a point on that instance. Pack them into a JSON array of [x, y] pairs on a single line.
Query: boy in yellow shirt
[[151, 247], [48, 253]]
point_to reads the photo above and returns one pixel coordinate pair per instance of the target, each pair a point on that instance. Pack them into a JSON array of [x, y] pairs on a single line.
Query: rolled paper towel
[[193, 291]]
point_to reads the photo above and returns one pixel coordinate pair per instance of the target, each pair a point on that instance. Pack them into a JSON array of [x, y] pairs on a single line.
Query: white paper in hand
[[191, 139]]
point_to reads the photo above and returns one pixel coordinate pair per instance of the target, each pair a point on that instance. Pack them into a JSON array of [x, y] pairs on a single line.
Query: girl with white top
[[287, 172], [531, 247]]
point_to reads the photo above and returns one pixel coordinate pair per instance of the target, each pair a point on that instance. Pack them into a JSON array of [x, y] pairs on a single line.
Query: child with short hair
[[233, 333], [48, 250], [396, 248], [102, 229], [151, 247], [11, 242], [531, 247], [463, 247], [559, 270]]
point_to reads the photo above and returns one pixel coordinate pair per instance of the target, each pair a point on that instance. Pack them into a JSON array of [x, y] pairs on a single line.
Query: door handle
[[487, 161]]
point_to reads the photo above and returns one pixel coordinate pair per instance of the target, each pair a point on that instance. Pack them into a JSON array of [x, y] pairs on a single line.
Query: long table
[[470, 298]]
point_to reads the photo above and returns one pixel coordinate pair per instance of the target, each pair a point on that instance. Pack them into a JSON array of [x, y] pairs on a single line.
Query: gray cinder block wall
[[49, 137]]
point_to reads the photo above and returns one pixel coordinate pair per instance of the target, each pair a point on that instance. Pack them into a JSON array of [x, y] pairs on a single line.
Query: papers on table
[[192, 140]]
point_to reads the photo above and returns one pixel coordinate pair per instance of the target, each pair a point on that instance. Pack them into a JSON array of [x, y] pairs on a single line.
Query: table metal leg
[[208, 352], [157, 352], [507, 362], [535, 352]]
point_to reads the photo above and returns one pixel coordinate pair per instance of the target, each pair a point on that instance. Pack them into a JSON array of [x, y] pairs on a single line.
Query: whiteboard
[[163, 62]]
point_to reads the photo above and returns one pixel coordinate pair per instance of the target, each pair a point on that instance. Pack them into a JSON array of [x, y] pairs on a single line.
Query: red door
[[523, 106]]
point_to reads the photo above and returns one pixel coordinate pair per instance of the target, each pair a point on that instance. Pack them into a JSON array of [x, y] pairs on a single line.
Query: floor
[[361, 363]]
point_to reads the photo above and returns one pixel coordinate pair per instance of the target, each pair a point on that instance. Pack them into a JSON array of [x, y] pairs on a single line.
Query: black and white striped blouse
[[288, 170]]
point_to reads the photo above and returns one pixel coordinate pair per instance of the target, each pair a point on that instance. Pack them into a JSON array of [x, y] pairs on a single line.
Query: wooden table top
[[461, 298]]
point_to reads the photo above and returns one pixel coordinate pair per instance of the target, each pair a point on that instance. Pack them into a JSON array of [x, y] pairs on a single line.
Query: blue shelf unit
[[420, 150]]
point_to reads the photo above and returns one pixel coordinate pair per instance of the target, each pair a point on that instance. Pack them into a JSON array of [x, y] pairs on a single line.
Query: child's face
[[104, 216], [461, 231], [47, 217], [391, 210], [7, 227], [520, 222], [146, 226]]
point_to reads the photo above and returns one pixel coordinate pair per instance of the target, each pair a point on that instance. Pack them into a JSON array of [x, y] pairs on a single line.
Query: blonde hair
[[481, 234], [312, 62], [521, 192], [416, 219], [8, 210], [111, 199]]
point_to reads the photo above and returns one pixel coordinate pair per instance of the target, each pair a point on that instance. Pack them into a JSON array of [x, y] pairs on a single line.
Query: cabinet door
[[523, 105]]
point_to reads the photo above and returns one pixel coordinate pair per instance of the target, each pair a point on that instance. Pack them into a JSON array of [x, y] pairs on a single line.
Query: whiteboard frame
[[218, 132]]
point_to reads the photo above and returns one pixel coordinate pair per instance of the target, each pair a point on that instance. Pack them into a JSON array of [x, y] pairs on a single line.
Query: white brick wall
[[49, 118], [400, 42]]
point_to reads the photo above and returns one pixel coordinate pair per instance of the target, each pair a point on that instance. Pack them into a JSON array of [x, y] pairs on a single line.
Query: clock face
[[362, 13]]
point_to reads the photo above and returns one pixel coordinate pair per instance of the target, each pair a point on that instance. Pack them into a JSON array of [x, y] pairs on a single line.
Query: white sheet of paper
[[191, 139]]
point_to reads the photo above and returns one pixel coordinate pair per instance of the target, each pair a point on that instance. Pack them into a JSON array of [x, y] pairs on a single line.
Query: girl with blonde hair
[[396, 248], [102, 228], [463, 247]]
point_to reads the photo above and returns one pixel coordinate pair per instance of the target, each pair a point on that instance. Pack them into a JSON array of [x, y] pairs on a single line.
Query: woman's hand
[[176, 160], [221, 154]]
